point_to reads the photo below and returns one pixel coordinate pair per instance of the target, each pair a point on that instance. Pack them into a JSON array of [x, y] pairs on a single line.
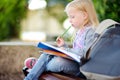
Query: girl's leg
[[39, 67], [59, 64]]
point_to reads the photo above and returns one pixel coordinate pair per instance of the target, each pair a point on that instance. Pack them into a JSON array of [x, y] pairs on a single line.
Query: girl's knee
[[58, 64]]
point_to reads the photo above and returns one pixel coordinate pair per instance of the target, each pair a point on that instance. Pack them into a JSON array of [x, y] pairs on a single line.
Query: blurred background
[[34, 21], [43, 20]]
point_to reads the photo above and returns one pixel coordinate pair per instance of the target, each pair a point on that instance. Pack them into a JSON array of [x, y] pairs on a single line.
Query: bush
[[108, 9], [11, 13]]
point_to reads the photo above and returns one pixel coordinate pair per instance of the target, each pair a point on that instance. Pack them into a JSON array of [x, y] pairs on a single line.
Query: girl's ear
[[85, 15]]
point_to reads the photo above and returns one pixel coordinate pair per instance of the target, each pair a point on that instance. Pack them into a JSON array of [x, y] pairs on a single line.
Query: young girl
[[82, 16]]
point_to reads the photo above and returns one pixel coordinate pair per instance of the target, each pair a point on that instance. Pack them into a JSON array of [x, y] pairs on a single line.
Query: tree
[[11, 14], [108, 9]]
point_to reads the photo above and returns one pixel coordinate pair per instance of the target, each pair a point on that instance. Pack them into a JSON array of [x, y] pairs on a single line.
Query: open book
[[48, 47]]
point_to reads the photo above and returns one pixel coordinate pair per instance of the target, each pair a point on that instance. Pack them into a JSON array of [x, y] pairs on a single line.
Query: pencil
[[65, 32]]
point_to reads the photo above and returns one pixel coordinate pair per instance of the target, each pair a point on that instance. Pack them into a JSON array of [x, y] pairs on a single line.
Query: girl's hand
[[60, 42]]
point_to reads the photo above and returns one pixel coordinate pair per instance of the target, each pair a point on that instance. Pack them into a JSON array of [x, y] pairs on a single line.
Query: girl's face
[[76, 17]]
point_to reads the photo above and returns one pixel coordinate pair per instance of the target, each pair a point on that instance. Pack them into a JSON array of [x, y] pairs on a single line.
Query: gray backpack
[[103, 57]]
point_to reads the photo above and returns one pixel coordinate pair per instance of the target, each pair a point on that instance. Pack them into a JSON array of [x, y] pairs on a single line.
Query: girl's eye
[[71, 16]]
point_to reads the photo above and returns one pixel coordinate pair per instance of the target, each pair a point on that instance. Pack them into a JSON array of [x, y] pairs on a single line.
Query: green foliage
[[113, 10], [108, 9], [11, 13]]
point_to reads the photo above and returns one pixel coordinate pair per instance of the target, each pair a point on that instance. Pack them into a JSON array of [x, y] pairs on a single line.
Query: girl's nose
[[70, 21]]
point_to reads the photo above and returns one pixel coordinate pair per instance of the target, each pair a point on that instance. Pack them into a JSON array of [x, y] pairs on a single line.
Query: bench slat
[[57, 76]]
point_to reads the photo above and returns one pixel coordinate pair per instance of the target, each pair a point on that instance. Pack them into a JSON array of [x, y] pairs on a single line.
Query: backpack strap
[[101, 27], [104, 25]]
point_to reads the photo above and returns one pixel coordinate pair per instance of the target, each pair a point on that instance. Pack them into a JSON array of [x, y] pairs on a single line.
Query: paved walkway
[[18, 43], [22, 43]]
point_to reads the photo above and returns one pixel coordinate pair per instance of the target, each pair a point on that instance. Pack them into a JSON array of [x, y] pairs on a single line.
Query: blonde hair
[[86, 6]]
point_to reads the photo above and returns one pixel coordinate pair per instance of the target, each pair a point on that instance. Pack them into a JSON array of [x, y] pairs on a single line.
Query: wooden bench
[[54, 76], [57, 76]]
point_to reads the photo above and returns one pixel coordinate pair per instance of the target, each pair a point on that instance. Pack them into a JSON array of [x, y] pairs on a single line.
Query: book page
[[46, 46]]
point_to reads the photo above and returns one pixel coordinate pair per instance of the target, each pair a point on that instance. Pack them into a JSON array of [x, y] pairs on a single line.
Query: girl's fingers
[[58, 38]]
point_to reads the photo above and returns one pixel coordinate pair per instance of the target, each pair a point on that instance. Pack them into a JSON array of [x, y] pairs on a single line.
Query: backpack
[[103, 57]]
